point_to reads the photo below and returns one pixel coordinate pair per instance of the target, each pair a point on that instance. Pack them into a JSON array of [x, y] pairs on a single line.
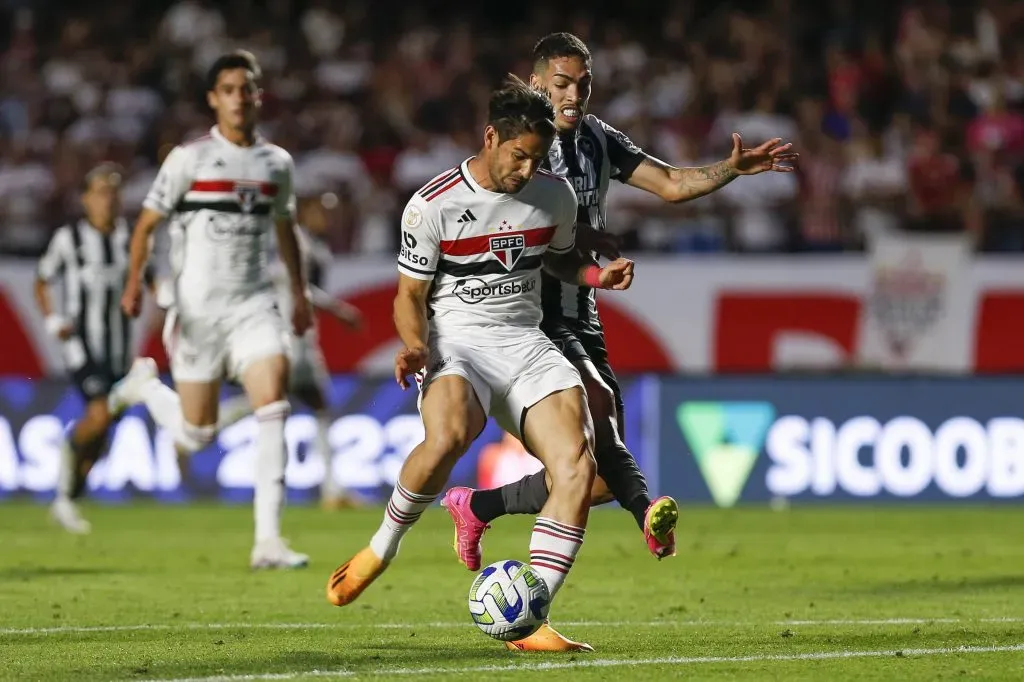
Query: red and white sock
[[553, 549], [404, 509]]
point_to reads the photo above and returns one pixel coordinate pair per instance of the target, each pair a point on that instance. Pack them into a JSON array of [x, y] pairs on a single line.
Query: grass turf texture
[[805, 594]]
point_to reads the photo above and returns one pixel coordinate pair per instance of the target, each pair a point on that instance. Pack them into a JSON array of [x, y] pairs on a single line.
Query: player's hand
[[131, 299], [770, 156], [409, 361], [59, 327], [302, 316], [605, 244], [617, 275]]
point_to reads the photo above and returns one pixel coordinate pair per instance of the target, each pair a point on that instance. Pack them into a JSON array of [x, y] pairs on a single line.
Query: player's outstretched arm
[[685, 184], [344, 312], [575, 268]]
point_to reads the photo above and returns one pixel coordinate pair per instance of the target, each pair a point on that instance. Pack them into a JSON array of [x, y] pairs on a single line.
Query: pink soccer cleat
[[468, 528]]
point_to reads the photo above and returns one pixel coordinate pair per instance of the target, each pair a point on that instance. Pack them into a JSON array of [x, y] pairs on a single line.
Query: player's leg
[[82, 448], [189, 411], [616, 464], [556, 426], [453, 416], [310, 384], [264, 381]]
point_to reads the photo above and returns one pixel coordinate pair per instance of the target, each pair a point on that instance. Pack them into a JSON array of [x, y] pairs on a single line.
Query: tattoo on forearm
[[720, 172]]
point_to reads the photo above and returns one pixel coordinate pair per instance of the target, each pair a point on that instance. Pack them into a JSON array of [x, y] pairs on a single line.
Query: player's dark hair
[[110, 171], [239, 59], [557, 45], [516, 109]]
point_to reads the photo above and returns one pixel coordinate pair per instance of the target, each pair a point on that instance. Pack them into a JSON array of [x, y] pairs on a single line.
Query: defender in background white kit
[[225, 194], [468, 312]]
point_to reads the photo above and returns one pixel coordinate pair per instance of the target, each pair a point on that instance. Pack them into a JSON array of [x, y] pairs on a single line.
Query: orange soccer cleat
[[547, 639], [350, 579]]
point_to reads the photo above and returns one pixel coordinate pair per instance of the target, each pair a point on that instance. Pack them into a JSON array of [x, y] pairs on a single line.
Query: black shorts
[[580, 341], [94, 380]]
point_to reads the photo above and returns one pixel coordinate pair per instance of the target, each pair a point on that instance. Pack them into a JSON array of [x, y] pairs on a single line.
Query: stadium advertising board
[[685, 315], [375, 426], [844, 439]]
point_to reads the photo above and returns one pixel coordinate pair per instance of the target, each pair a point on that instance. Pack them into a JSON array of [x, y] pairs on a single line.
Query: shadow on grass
[[24, 573]]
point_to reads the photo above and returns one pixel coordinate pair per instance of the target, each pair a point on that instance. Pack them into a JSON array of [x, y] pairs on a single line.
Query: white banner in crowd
[[918, 311]]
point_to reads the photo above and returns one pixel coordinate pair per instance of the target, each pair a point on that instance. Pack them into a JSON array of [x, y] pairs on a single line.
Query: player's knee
[[276, 410], [194, 438], [574, 468], [449, 440]]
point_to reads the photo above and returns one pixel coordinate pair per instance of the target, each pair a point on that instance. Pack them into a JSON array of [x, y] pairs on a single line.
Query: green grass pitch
[[811, 593]]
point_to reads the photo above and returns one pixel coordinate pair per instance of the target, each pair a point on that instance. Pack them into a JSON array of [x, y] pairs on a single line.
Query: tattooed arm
[[685, 184], [681, 184]]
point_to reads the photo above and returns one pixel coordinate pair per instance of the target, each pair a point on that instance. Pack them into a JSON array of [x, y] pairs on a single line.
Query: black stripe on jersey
[[108, 300], [465, 180], [83, 303], [487, 267], [437, 184], [412, 269], [220, 207]]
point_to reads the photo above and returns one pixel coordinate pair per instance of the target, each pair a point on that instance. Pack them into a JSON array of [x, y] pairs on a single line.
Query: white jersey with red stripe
[[222, 200], [483, 250]]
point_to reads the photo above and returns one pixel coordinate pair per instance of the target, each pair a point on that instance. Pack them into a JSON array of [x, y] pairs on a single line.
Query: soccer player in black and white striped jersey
[[91, 257], [590, 154]]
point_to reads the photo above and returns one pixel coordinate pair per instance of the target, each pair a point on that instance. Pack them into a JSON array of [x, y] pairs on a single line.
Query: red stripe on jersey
[[472, 246], [438, 192], [267, 189]]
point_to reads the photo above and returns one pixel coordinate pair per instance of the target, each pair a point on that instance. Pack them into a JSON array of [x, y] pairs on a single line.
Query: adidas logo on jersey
[[467, 217]]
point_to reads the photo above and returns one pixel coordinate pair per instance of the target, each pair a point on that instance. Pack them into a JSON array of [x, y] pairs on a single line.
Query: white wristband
[[55, 324]]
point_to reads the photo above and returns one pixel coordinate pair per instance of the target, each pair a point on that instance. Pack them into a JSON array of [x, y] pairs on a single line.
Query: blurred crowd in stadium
[[907, 114]]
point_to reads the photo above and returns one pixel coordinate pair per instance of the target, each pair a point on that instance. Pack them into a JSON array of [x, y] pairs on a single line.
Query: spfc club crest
[[247, 196], [508, 248]]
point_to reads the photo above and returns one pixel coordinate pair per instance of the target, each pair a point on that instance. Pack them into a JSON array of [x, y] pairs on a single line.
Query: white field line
[[608, 663], [162, 627]]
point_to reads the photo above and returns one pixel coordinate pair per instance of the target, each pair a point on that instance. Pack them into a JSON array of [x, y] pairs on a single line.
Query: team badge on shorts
[[507, 249]]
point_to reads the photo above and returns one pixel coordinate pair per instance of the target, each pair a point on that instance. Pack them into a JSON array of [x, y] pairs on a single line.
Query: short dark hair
[[239, 59], [517, 108], [110, 171], [556, 45]]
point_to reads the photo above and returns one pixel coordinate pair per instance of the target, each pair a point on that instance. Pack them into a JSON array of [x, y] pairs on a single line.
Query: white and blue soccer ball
[[509, 600]]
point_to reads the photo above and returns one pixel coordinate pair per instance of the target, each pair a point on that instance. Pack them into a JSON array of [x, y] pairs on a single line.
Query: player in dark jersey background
[[591, 154]]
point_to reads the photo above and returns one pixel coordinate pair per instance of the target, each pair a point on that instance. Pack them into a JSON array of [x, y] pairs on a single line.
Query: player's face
[[235, 98], [567, 81], [102, 201], [512, 163]]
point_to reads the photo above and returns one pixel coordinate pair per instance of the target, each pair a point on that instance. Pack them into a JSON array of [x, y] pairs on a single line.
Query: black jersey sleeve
[[623, 154]]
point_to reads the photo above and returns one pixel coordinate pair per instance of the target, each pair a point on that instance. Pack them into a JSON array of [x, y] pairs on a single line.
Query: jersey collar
[[216, 134]]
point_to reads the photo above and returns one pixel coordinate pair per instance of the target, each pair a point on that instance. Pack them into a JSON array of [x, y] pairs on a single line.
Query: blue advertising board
[[374, 427], [732, 440]]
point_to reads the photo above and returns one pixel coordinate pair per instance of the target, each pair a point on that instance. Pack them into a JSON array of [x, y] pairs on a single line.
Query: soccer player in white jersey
[[308, 380], [474, 240], [225, 194], [590, 153]]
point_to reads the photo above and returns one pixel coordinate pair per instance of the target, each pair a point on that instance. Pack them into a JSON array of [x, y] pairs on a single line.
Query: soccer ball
[[509, 600]]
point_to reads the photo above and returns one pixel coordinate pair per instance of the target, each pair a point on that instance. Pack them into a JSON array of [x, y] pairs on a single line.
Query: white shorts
[[508, 379], [307, 368], [218, 345]]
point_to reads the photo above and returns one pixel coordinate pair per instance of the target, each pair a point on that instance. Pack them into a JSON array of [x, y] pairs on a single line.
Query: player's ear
[[211, 99], [534, 81], [258, 99], [490, 138]]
